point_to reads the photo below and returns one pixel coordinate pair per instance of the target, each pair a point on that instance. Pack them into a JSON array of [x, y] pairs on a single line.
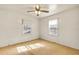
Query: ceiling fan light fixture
[[37, 7], [37, 12]]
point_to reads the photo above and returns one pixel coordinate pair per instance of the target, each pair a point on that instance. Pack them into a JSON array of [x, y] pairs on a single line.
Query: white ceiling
[[23, 8]]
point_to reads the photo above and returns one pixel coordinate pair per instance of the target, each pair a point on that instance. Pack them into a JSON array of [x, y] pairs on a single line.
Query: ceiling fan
[[37, 10]]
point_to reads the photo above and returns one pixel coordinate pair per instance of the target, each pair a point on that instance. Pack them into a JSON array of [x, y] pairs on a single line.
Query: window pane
[[53, 26]]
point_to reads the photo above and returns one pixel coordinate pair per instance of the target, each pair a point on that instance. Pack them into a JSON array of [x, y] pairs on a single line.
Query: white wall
[[68, 28], [11, 27]]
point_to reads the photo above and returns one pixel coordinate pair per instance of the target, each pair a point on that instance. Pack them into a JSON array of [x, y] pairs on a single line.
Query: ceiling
[[23, 8]]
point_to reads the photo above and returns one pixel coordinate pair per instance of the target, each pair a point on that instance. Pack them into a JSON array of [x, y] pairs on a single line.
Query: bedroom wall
[[68, 33], [11, 29]]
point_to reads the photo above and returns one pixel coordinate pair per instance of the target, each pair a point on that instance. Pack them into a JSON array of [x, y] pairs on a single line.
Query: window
[[53, 27]]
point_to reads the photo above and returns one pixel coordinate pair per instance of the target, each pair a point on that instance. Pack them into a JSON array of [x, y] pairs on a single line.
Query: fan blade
[[44, 11], [30, 11]]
